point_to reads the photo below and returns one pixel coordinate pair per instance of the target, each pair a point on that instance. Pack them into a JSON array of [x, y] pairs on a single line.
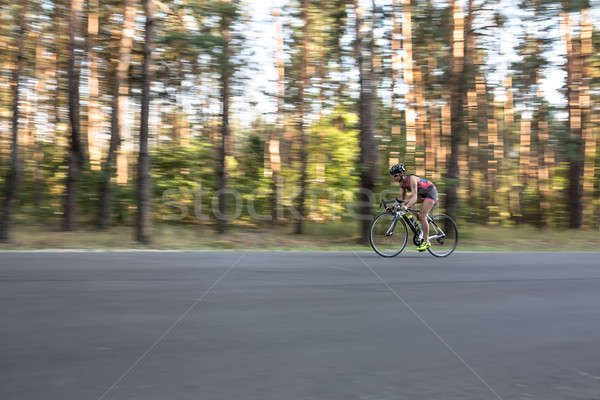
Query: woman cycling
[[421, 190]]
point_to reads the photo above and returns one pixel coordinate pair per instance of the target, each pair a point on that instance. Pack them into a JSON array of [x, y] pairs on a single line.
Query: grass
[[318, 236], [524, 238]]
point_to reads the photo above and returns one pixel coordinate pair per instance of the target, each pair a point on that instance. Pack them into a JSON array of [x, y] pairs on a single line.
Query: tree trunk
[[589, 141], [410, 114], [274, 155], [225, 132], [472, 135], [93, 109], [396, 63], [105, 219], [59, 55], [75, 161], [544, 153], [301, 116], [11, 183], [538, 134], [39, 72], [484, 147], [339, 27], [38, 179], [120, 78], [575, 157], [366, 112], [144, 195], [458, 87]]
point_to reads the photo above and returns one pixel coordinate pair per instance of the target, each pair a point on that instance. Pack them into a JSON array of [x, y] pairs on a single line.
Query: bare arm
[[403, 198]]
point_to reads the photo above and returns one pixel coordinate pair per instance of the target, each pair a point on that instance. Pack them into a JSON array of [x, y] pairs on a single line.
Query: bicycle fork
[[390, 230]]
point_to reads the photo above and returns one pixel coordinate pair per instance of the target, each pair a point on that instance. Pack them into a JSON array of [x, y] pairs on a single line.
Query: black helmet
[[398, 169]]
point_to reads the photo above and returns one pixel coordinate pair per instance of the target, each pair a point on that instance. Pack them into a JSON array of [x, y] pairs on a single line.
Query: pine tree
[[534, 171], [11, 181], [277, 132], [120, 89], [302, 111], [76, 154], [94, 117], [144, 199], [366, 111], [225, 76], [457, 88]]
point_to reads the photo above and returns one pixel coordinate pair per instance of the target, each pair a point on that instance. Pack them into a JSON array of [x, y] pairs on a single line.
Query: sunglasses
[[397, 175]]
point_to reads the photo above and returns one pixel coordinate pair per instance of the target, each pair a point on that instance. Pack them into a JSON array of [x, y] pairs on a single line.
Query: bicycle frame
[[437, 225], [441, 234], [439, 231]]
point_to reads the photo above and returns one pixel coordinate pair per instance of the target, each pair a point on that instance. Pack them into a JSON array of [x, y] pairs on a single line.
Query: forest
[[137, 113]]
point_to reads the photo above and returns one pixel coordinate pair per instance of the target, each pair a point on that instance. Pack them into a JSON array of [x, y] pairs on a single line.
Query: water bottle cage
[[414, 222]]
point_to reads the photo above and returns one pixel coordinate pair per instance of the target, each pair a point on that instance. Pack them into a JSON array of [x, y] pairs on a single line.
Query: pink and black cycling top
[[425, 188]]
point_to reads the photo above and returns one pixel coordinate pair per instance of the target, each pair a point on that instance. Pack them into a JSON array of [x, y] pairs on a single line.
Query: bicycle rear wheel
[[388, 234], [443, 235]]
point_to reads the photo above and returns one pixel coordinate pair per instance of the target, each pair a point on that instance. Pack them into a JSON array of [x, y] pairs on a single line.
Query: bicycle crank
[[417, 240]]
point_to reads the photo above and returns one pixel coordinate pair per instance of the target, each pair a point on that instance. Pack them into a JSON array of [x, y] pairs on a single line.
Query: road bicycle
[[389, 231]]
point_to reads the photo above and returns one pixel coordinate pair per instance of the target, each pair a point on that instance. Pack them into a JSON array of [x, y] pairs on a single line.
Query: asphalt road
[[229, 325]]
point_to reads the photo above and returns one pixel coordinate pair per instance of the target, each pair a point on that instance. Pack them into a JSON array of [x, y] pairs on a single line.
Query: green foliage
[[214, 19], [248, 177], [252, 160], [191, 57], [575, 5], [333, 151], [180, 176]]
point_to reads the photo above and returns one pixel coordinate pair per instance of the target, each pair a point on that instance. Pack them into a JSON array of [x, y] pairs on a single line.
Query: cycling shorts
[[431, 193]]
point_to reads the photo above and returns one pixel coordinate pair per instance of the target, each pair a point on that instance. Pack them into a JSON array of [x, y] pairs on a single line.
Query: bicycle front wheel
[[388, 235], [443, 235]]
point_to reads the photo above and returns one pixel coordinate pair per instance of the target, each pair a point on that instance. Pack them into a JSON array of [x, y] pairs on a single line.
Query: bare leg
[[425, 208]]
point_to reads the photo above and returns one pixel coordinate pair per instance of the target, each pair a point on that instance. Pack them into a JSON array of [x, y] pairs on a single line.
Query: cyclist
[[421, 190]]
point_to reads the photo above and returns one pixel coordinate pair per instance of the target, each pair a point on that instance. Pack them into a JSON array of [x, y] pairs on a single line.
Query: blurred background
[[167, 122]]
